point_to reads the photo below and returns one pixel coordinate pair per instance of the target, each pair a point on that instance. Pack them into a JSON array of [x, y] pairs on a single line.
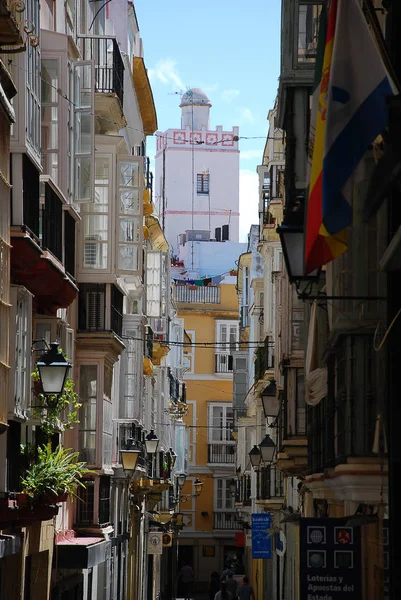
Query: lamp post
[[129, 457], [181, 477], [53, 370], [232, 486], [255, 456], [270, 403], [292, 238], [151, 442], [267, 448], [198, 484]]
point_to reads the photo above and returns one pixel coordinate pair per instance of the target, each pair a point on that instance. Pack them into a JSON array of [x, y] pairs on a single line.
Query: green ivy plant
[[55, 412], [54, 473]]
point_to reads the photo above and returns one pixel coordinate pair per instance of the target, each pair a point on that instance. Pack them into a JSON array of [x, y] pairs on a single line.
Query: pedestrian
[[186, 577], [231, 584], [223, 594], [245, 591], [214, 585]]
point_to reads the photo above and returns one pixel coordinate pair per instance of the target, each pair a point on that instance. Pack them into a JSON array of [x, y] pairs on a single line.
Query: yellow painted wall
[[202, 320]]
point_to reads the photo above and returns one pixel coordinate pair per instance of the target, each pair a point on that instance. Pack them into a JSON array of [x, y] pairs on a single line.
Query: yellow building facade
[[208, 540]]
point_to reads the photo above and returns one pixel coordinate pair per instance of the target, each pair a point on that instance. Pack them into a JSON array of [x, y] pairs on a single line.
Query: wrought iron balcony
[[221, 453], [109, 66], [226, 521]]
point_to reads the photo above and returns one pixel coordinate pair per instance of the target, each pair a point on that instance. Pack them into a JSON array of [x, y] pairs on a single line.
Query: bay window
[[96, 218], [130, 217], [88, 391], [50, 117]]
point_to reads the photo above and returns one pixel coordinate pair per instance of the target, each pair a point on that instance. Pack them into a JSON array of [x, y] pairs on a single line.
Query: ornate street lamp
[[267, 449], [232, 486], [129, 457], [255, 456], [151, 442], [53, 370], [181, 477], [271, 404], [198, 486], [292, 238]]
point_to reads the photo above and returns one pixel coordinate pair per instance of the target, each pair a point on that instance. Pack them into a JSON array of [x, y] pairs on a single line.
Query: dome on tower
[[195, 96]]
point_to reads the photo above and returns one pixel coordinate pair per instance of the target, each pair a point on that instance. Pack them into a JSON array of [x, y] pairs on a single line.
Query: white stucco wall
[[187, 154]]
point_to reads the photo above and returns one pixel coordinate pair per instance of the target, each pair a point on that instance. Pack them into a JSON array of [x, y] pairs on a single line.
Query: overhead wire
[[160, 135]]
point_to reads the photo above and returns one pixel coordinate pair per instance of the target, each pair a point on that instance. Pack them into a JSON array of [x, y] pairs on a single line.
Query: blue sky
[[231, 50]]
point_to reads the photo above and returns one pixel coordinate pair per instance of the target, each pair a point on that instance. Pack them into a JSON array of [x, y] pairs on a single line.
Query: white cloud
[[248, 202], [251, 154], [166, 72], [228, 95], [247, 115]]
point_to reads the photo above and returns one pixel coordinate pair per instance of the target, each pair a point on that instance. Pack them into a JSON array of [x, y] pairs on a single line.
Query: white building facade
[[197, 176]]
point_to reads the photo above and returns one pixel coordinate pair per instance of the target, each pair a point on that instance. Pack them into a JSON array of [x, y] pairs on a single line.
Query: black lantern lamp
[[292, 238], [271, 404], [181, 477], [198, 484], [232, 486], [151, 442], [255, 456], [129, 457], [267, 449], [53, 370]]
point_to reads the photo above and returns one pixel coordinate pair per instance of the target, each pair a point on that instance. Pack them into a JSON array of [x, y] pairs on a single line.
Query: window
[[226, 343], [88, 412], [189, 352], [21, 312], [221, 423], [130, 215], [96, 220], [308, 31], [86, 503], [84, 132], [223, 497], [202, 184], [33, 81], [50, 116]]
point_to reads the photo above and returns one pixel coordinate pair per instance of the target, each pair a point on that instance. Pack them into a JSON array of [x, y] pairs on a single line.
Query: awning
[[82, 552], [156, 234], [144, 96]]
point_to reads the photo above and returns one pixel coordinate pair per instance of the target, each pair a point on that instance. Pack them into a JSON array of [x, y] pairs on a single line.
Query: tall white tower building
[[197, 177]]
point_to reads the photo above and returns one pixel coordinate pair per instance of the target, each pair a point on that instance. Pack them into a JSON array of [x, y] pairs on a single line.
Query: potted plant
[[54, 475], [55, 412]]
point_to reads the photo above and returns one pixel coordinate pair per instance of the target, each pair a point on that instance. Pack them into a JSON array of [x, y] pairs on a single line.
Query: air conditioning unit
[[225, 231], [197, 235]]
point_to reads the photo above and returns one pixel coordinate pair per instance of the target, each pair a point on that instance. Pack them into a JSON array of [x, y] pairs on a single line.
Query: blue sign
[[261, 535]]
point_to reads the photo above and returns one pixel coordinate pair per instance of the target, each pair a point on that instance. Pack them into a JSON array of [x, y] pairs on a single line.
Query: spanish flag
[[352, 111]]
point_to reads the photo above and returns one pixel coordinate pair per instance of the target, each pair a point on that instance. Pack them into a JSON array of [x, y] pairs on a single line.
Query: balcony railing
[[243, 493], [226, 521], [224, 363], [197, 294], [221, 453], [109, 66]]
